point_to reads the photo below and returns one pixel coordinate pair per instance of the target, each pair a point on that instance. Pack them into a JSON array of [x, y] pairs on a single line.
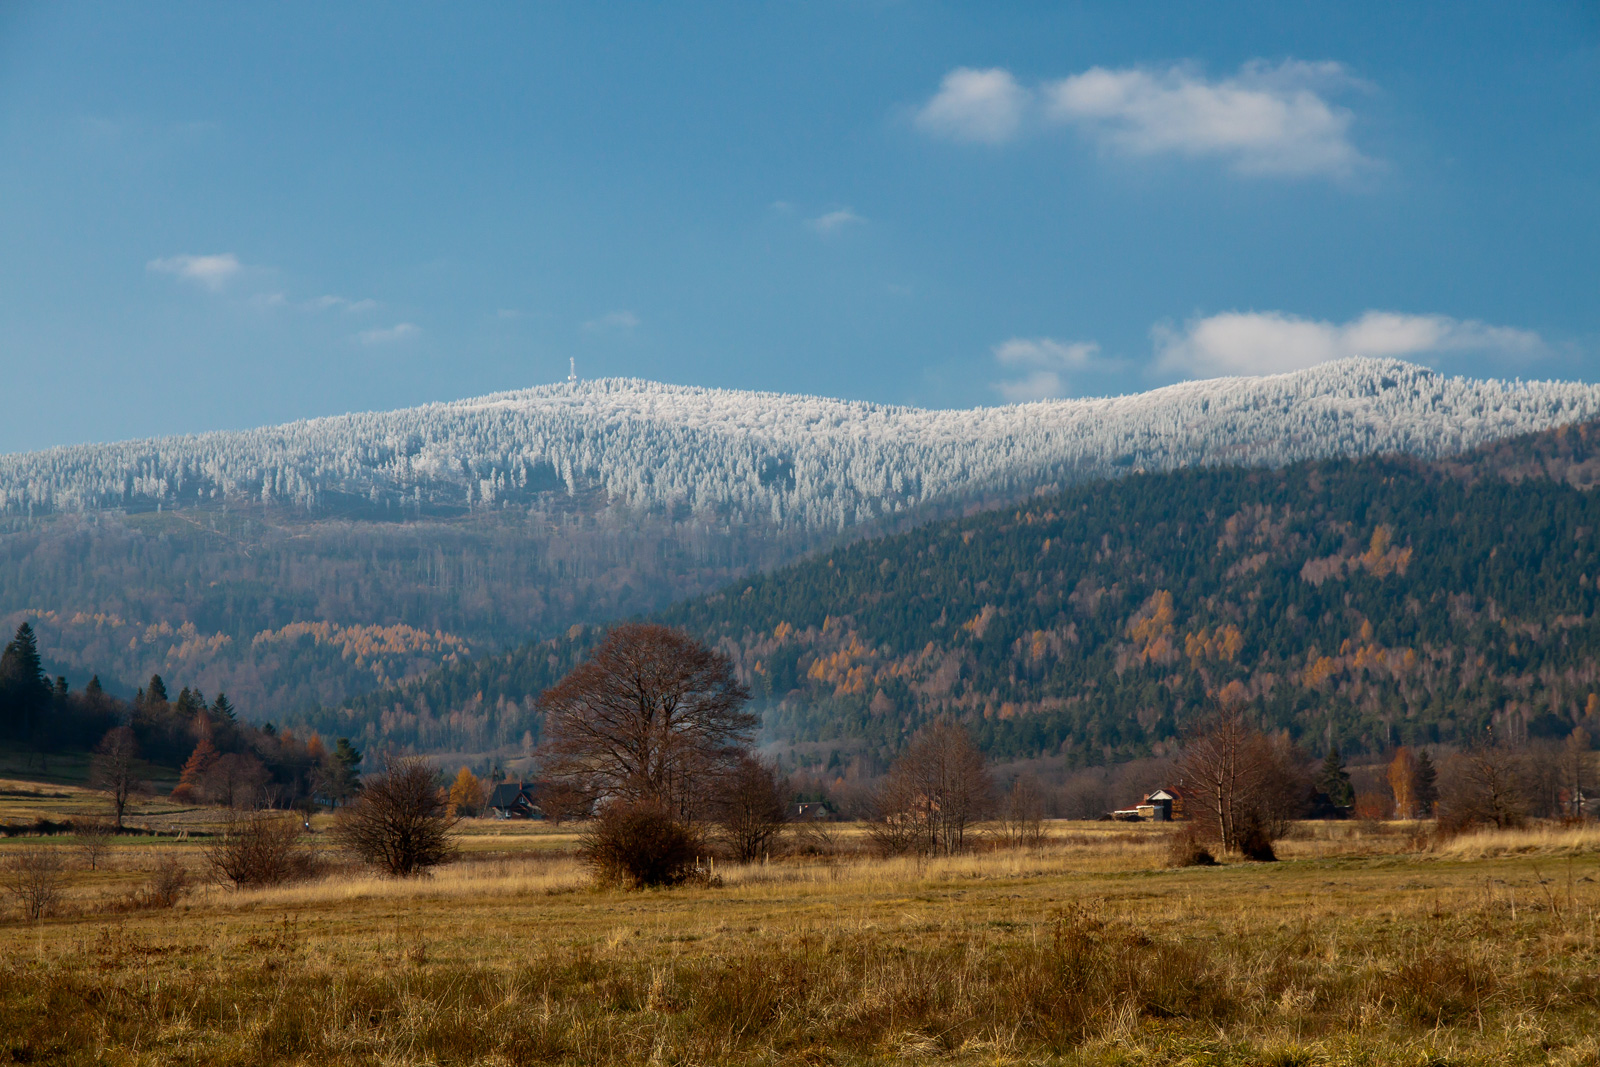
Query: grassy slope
[[1350, 951]]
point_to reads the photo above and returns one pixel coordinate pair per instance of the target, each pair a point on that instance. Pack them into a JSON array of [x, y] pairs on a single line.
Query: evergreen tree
[[24, 690], [188, 705], [339, 779], [223, 710], [1334, 780], [155, 694], [1427, 787]]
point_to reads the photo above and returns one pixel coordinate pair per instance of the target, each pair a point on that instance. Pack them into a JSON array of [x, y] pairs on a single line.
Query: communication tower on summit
[[572, 371]]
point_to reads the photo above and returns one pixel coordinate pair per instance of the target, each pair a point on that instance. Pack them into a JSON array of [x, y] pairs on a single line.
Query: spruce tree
[[1427, 783], [24, 689], [223, 709], [1334, 780]]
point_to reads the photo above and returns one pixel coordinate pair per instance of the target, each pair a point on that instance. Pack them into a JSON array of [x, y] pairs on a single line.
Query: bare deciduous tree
[[1022, 813], [94, 839], [1245, 787], [651, 715], [32, 877], [1483, 786], [752, 808], [1577, 772], [934, 791], [400, 822], [235, 780], [113, 770]]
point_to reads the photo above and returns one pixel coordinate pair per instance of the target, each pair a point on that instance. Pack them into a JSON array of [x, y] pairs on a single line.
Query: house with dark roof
[[515, 800]]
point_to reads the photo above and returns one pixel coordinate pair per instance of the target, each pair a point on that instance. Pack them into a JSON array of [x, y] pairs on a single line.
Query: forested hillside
[[1372, 601], [299, 566], [288, 614]]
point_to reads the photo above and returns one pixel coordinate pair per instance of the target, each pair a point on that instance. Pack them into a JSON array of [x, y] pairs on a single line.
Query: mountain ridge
[[1367, 601], [297, 566], [790, 459]]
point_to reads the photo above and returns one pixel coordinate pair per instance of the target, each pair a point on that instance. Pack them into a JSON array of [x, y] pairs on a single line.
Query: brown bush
[[1184, 849], [262, 848], [400, 822], [167, 883], [32, 877], [1256, 844], [639, 845]]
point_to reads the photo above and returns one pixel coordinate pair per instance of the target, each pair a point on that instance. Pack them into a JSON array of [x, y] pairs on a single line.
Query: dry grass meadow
[[1366, 944]]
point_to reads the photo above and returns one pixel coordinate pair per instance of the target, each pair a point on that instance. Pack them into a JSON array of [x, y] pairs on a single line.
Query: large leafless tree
[[651, 716]]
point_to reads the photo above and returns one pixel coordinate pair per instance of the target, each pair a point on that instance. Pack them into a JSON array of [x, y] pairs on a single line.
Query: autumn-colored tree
[[651, 715], [235, 780], [467, 795], [191, 779], [1403, 782]]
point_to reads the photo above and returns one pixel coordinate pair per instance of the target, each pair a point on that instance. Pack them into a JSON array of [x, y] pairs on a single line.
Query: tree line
[[219, 758]]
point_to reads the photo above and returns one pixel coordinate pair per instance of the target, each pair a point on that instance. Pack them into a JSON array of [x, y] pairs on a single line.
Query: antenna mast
[[572, 372]]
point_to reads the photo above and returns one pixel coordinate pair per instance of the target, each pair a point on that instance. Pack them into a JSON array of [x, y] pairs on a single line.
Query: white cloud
[[385, 335], [1249, 342], [1265, 119], [834, 221], [323, 303], [212, 272], [976, 105], [1046, 362], [613, 322]]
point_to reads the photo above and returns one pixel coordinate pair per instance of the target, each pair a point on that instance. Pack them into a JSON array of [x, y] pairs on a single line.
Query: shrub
[[640, 844], [1256, 844], [168, 883], [32, 877], [400, 822], [1185, 850], [261, 848]]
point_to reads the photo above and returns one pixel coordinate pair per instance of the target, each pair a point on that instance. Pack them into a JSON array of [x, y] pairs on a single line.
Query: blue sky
[[217, 216]]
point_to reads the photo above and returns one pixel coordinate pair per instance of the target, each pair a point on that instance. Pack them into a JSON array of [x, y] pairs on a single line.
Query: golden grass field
[[1366, 944]]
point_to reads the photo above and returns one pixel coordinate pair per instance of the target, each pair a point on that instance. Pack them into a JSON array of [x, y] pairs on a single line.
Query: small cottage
[[515, 800]]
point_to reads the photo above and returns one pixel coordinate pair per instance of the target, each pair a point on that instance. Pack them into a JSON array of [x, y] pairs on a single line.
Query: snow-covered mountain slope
[[802, 461]]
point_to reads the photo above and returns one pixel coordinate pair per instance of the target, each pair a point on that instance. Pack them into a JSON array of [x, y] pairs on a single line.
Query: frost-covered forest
[[298, 566], [800, 461]]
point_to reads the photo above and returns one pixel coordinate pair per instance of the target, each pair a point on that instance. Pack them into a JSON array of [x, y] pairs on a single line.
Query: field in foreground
[[1354, 949]]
